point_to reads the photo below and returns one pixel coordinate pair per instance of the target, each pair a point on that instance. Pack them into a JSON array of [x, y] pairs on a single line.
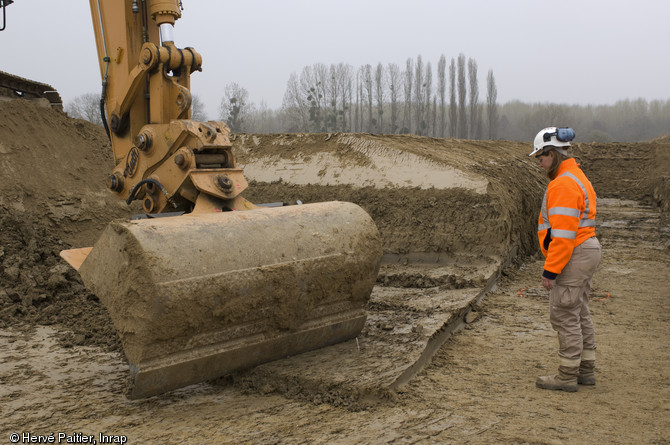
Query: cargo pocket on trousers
[[593, 254], [564, 296]]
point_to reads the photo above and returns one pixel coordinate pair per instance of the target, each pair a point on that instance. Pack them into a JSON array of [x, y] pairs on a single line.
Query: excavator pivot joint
[[118, 124], [224, 183], [143, 141], [115, 182]]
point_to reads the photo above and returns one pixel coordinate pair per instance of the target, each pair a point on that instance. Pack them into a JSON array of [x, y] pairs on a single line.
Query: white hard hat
[[555, 137]]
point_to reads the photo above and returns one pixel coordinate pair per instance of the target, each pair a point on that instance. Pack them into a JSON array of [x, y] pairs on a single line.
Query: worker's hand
[[547, 283]]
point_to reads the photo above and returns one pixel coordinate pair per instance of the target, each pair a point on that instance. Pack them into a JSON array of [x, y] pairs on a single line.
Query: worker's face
[[546, 160]]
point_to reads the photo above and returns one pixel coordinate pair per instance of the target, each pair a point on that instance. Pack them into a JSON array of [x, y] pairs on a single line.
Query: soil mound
[[52, 197], [634, 171], [55, 168], [37, 287], [662, 139]]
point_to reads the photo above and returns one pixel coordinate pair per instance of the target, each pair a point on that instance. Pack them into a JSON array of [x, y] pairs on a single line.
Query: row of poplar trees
[[388, 99]]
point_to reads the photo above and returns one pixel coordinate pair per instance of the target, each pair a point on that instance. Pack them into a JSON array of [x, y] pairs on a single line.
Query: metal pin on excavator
[[225, 285]]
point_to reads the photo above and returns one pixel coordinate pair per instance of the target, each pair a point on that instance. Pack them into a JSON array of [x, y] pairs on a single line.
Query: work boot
[[587, 367], [565, 380], [586, 372]]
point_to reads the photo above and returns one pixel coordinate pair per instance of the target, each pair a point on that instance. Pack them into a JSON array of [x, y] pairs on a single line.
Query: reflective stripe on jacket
[[567, 218]]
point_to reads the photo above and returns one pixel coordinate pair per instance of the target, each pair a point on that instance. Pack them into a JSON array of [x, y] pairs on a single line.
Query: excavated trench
[[451, 215]]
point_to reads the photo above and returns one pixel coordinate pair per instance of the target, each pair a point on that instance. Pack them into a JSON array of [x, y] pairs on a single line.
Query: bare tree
[[235, 107], [359, 91], [343, 79], [434, 115], [442, 93], [427, 91], [314, 82], [409, 84], [305, 100], [453, 107], [462, 92], [393, 80], [379, 94], [333, 92], [295, 105], [352, 105], [492, 105], [87, 107], [475, 115], [419, 86], [336, 97], [197, 109], [368, 90], [479, 130], [318, 99]]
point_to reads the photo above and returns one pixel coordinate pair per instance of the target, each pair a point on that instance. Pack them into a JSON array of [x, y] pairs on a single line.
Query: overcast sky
[[569, 51]]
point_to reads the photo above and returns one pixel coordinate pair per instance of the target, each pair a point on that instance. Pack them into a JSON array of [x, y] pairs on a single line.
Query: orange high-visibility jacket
[[567, 218]]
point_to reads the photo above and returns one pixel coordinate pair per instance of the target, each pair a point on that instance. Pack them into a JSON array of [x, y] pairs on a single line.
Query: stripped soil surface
[[63, 371]]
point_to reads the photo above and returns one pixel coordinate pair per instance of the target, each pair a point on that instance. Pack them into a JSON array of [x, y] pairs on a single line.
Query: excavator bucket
[[198, 296]]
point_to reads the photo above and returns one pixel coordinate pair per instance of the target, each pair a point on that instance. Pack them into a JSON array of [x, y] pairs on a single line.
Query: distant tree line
[[392, 99], [388, 99], [625, 121], [379, 99]]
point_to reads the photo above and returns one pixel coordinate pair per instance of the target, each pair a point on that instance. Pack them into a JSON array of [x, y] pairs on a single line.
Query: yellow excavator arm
[[215, 289], [161, 157]]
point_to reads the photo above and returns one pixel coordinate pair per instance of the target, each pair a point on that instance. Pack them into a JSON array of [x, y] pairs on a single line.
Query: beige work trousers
[[569, 301]]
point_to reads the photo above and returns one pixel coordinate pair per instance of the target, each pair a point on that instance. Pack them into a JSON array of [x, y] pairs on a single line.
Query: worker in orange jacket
[[566, 231]]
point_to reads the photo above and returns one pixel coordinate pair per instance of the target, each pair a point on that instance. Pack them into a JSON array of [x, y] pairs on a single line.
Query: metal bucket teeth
[[195, 297]]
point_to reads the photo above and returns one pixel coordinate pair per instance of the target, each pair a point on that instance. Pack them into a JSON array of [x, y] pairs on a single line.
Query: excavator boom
[[160, 156]]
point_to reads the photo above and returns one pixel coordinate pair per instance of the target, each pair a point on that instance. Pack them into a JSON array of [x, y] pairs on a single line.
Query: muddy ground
[[62, 368]]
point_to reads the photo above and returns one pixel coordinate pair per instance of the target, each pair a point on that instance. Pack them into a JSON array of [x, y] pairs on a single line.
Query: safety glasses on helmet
[[563, 134]]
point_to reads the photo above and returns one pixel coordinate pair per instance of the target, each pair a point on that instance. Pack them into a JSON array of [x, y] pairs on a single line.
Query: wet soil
[[62, 369]]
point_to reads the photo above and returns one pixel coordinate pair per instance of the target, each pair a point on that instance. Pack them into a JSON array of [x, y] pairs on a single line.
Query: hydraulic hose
[[133, 192], [4, 15], [106, 59]]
